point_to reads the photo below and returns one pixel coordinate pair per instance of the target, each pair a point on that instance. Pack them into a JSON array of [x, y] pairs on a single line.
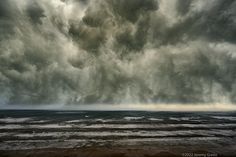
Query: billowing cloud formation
[[117, 51]]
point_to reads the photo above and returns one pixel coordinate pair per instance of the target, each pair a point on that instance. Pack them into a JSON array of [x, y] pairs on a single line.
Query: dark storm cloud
[[183, 6], [133, 9], [117, 51], [6, 19], [35, 12], [216, 23], [5, 9]]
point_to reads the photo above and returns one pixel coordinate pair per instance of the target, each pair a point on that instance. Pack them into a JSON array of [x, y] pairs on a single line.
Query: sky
[[82, 52]]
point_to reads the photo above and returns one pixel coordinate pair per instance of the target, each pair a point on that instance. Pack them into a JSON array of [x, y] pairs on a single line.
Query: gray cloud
[[117, 51], [183, 6], [35, 12]]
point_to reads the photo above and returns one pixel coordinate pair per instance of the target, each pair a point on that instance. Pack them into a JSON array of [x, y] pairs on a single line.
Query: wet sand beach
[[109, 152]]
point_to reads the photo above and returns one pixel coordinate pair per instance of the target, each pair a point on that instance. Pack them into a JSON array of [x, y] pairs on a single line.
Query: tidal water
[[33, 129]]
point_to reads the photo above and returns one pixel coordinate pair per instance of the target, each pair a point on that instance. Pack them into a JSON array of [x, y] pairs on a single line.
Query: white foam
[[32, 144], [51, 126], [155, 119], [133, 118], [75, 143], [122, 126], [75, 121], [43, 134], [225, 117], [157, 126], [140, 134], [100, 120], [15, 120], [11, 126], [46, 126], [185, 118], [4, 134]]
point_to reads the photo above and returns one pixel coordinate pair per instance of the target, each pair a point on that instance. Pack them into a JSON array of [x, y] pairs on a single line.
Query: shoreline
[[112, 152]]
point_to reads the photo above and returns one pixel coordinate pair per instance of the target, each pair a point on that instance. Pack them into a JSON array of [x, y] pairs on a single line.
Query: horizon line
[[129, 107]]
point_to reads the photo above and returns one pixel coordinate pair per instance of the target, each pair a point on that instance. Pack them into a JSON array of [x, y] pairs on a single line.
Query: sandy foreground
[[109, 152]]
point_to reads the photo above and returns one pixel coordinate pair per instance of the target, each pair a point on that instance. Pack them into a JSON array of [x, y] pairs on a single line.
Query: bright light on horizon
[[131, 107]]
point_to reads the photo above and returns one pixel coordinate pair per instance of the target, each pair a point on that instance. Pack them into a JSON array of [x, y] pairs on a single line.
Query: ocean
[[36, 129]]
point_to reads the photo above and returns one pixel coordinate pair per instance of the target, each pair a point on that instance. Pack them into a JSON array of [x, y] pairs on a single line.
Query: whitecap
[[133, 118]]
